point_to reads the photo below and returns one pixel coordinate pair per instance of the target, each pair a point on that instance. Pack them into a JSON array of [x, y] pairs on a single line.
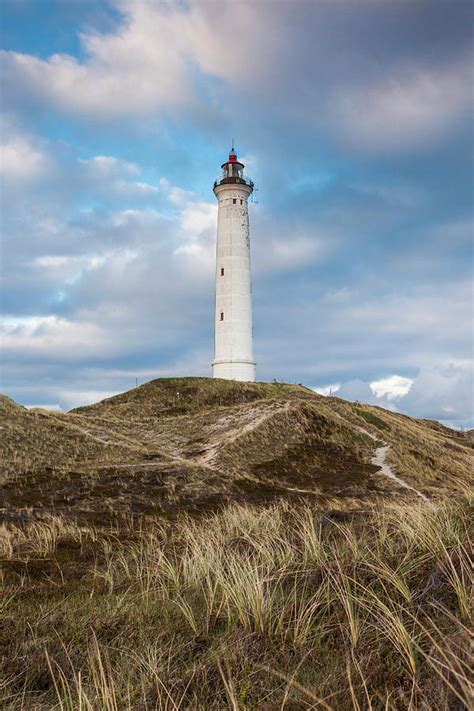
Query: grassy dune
[[197, 443], [198, 544], [280, 607]]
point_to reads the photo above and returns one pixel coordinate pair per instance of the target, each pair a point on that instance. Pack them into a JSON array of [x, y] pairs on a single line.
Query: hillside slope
[[196, 443], [347, 590]]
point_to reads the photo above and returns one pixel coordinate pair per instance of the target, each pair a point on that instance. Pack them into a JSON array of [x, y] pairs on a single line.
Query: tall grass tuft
[[252, 607]]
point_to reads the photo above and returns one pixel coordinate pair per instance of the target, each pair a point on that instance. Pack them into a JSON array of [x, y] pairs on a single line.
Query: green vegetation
[[281, 607], [372, 419]]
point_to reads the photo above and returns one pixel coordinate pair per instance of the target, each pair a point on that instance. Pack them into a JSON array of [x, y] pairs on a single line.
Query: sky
[[354, 119]]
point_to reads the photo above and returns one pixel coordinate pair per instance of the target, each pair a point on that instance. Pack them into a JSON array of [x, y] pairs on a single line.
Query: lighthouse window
[[222, 315], [241, 202], [234, 201], [222, 271]]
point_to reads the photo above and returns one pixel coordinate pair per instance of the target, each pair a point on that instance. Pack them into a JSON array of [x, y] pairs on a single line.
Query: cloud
[[63, 269], [442, 393], [364, 73], [405, 110], [384, 391], [108, 176], [289, 254], [393, 387], [198, 222], [360, 391], [127, 72], [114, 281], [438, 393], [23, 159], [108, 167], [50, 336], [199, 217], [135, 188], [418, 311]]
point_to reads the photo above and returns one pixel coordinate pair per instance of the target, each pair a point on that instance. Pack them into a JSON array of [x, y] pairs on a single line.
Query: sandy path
[[379, 459], [212, 449]]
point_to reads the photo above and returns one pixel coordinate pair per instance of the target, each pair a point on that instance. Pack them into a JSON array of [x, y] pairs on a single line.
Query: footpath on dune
[[379, 460], [259, 418]]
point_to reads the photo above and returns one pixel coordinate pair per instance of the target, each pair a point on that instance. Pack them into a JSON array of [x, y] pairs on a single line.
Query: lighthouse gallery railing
[[242, 180]]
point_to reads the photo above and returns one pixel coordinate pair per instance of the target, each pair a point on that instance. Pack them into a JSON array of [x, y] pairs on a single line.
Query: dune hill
[[197, 443], [348, 585]]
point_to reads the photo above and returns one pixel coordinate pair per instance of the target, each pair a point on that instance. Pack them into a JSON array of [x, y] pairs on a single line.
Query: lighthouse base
[[234, 370]]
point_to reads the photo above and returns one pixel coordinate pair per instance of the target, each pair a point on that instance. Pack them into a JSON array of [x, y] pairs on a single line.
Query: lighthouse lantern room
[[233, 356]]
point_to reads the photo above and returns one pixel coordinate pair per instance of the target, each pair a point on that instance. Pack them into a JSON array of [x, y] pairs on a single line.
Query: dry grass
[[311, 582], [428, 455], [197, 443], [37, 441], [280, 607]]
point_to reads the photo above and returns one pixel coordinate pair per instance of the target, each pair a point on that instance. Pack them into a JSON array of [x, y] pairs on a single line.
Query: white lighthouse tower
[[233, 358]]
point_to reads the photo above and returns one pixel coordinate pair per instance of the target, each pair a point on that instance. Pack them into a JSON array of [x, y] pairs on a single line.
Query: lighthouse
[[233, 355]]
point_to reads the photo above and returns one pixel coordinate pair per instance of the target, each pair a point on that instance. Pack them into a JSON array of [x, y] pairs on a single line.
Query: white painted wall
[[233, 358]]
